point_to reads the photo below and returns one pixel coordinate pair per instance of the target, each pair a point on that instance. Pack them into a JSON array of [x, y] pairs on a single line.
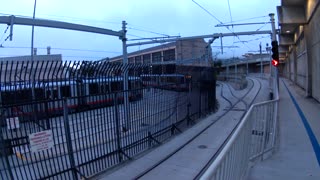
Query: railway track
[[233, 104]]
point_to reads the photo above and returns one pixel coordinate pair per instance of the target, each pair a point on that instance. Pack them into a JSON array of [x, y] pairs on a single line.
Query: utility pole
[[32, 33], [268, 49], [32, 69], [247, 67], [261, 66], [125, 78]]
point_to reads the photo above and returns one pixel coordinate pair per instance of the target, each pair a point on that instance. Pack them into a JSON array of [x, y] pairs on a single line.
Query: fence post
[[47, 119], [116, 111], [4, 150], [68, 138], [200, 99]]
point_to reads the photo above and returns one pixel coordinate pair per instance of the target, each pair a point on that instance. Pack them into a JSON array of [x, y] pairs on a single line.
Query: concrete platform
[[297, 153]]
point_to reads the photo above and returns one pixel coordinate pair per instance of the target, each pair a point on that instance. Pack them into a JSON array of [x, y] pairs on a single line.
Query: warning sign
[[41, 141], [13, 123]]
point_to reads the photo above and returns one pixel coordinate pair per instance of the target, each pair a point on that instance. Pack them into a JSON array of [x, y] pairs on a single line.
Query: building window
[[131, 60], [147, 58], [156, 57], [169, 55], [138, 60]]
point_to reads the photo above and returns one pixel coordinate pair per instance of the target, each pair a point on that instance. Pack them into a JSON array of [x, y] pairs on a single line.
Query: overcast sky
[[145, 18]]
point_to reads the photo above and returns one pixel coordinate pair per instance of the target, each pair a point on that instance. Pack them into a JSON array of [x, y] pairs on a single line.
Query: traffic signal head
[[275, 53], [274, 62]]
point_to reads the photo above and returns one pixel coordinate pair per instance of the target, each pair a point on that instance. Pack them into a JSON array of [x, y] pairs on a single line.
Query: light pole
[[32, 33], [261, 66], [33, 72], [268, 49]]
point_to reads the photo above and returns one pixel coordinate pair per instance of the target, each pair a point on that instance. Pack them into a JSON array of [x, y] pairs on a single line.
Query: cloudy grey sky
[[145, 18]]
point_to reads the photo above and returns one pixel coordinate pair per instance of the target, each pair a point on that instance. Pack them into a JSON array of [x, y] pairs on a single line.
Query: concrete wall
[[301, 62], [312, 32], [292, 65], [190, 49]]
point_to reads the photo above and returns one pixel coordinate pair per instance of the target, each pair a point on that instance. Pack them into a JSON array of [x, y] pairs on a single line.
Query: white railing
[[253, 139]]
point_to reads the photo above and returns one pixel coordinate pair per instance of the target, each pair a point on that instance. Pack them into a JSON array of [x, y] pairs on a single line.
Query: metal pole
[[125, 78], [221, 43], [116, 110], [32, 33], [68, 138], [260, 59], [227, 71], [274, 38], [247, 67], [32, 37], [236, 69]]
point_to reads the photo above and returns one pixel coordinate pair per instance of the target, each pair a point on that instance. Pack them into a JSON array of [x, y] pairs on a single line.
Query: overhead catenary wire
[[230, 12], [258, 17], [262, 26], [152, 32], [4, 33], [218, 21], [207, 12]]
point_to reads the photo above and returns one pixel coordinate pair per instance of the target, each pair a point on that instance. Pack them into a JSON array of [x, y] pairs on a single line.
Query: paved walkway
[[298, 154]]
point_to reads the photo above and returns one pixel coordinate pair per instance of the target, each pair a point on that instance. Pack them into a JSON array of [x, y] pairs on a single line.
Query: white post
[[32, 33], [261, 66], [32, 70], [125, 78]]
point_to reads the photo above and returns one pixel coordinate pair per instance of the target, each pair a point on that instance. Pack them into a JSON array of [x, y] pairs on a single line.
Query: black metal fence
[[71, 120]]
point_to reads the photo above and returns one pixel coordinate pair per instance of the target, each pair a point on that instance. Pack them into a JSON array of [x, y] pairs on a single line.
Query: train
[[22, 99], [175, 82], [47, 99]]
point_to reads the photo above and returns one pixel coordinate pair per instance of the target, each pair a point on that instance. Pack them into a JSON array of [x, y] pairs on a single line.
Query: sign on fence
[[13, 123], [40, 141]]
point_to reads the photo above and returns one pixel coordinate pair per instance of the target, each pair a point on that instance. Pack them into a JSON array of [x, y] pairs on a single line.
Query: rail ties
[[232, 107]]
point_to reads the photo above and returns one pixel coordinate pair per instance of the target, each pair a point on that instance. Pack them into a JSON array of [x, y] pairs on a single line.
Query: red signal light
[[275, 62]]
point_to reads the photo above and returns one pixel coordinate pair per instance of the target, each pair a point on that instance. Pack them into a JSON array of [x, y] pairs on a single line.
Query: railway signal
[[275, 53]]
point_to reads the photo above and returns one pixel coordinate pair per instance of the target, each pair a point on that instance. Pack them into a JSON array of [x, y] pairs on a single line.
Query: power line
[[5, 31], [148, 31], [230, 11], [134, 36], [207, 12], [258, 17], [218, 21], [262, 26]]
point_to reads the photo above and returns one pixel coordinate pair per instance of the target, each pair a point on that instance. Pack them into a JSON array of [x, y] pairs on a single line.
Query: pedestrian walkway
[[297, 155]]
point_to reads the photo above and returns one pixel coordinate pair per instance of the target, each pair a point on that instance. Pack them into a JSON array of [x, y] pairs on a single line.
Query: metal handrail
[[233, 161]]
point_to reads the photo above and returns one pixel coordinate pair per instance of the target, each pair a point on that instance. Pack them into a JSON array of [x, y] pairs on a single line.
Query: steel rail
[[194, 138]]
